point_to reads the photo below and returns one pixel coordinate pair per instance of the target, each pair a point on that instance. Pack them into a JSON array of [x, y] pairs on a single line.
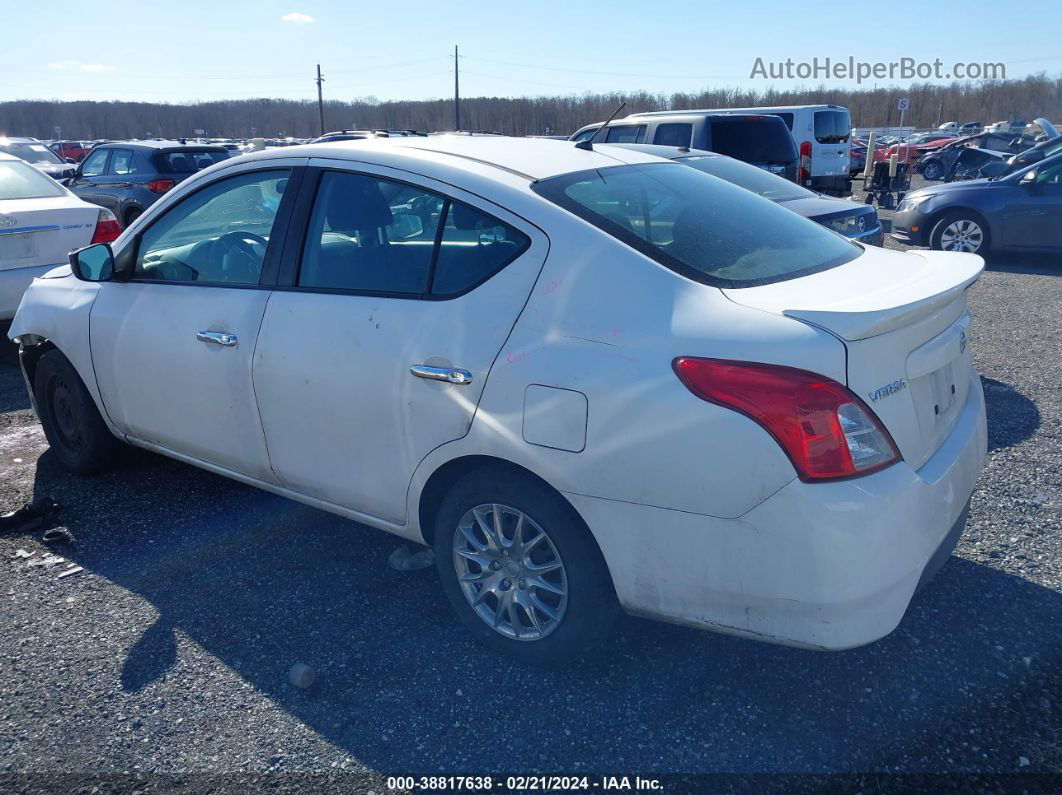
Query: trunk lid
[[903, 320], [44, 231]]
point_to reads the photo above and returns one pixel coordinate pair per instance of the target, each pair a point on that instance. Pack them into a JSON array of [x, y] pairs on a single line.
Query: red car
[[914, 147], [72, 149]]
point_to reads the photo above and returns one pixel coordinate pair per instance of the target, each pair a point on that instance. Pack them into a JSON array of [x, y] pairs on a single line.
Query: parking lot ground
[[171, 651]]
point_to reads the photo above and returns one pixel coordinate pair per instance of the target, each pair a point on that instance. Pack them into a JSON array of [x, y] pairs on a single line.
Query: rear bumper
[[837, 185], [825, 565], [13, 283]]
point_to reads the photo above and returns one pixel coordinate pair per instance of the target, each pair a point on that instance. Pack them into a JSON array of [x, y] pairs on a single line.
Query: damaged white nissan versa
[[590, 380]]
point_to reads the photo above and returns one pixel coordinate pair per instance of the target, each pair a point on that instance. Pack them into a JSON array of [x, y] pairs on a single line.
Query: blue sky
[[402, 49]]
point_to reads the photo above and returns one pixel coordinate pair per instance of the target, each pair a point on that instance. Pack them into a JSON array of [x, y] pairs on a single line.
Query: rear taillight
[[826, 431], [804, 171], [160, 185], [107, 228]]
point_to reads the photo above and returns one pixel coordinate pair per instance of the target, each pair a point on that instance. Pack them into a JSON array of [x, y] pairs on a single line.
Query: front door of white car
[[172, 346], [378, 340]]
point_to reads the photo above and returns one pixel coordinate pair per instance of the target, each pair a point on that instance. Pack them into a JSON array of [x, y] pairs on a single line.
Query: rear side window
[[697, 225], [673, 134], [755, 140], [832, 126], [626, 134], [375, 235], [474, 246], [787, 118], [187, 162], [122, 162], [22, 181]]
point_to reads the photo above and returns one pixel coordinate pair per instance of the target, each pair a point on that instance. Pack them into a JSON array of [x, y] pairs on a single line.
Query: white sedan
[[41, 222], [590, 379]]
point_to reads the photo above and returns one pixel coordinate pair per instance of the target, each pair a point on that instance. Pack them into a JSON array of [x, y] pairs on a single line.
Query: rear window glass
[[832, 126], [188, 161], [697, 225], [626, 134], [748, 177], [30, 152], [761, 140], [21, 181], [673, 134]]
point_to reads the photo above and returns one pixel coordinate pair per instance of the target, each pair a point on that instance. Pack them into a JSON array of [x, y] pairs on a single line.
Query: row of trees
[[985, 101]]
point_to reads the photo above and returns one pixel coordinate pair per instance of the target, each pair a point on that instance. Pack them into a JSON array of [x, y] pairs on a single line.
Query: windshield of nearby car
[[35, 153], [188, 161], [22, 181], [699, 226], [748, 177]]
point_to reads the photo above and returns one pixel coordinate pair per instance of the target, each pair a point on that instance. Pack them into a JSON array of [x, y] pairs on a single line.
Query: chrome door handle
[[448, 374], [217, 338]]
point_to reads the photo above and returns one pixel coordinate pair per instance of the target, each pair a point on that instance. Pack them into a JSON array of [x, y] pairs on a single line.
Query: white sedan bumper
[[823, 565], [13, 283]]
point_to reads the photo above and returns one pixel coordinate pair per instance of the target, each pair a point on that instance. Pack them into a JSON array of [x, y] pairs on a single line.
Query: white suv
[[590, 379]]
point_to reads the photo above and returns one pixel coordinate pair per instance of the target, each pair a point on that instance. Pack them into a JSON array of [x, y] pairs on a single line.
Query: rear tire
[[544, 596], [72, 424], [960, 231]]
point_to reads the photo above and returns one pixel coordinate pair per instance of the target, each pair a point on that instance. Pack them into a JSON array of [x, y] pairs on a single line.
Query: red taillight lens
[[826, 430], [804, 171], [160, 185], [107, 228]]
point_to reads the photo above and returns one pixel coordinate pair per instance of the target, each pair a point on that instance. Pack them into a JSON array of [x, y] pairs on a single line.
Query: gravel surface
[[171, 651]]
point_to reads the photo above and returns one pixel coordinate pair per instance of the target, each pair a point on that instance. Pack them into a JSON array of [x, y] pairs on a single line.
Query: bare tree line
[[985, 101]]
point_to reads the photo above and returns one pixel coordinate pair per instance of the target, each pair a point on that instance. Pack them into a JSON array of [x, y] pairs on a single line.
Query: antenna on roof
[[588, 144]]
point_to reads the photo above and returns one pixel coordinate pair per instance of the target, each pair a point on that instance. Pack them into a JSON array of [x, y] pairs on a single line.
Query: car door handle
[[217, 338], [449, 374]]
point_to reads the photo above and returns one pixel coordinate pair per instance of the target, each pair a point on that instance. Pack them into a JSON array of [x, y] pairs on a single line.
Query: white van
[[822, 134]]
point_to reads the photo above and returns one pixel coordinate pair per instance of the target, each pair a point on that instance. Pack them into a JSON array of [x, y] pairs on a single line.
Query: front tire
[[933, 170], [521, 569], [72, 424], [960, 231]]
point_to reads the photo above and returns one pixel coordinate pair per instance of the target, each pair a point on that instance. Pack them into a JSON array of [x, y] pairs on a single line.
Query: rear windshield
[[188, 161], [768, 185], [755, 140], [698, 225], [832, 126], [21, 181], [31, 152]]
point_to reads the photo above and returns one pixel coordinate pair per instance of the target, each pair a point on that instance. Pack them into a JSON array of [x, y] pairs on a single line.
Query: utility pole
[[320, 99], [457, 95]]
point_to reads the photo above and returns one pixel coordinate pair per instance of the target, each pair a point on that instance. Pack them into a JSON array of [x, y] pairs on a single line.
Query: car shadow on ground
[[262, 583], [1031, 264], [1012, 417], [13, 395]]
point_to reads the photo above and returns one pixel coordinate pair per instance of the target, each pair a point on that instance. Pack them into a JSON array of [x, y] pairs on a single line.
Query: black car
[[127, 177], [854, 220], [38, 154], [1020, 211]]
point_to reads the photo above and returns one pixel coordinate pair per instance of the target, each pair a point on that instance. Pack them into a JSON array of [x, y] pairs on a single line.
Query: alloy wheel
[[962, 235], [510, 572]]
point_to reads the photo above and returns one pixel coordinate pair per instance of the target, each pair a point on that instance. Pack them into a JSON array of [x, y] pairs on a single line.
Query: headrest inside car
[[355, 203], [464, 217]]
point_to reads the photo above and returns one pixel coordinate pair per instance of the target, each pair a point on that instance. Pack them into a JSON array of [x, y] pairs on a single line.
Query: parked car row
[[601, 379]]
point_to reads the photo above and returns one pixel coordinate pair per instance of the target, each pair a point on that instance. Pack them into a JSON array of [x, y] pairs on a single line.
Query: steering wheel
[[240, 262]]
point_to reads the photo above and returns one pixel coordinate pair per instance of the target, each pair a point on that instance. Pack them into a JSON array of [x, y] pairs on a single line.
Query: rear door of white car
[[394, 272], [172, 346]]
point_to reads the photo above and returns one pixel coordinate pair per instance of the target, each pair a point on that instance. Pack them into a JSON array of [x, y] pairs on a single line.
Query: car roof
[[670, 152], [529, 158], [17, 140], [159, 145]]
